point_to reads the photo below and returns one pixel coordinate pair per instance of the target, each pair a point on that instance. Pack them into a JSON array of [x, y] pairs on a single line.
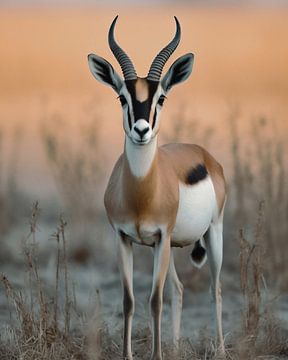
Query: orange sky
[[237, 49], [241, 56]]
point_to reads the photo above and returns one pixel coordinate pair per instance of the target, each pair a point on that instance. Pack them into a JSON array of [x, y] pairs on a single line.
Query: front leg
[[161, 264], [125, 254]]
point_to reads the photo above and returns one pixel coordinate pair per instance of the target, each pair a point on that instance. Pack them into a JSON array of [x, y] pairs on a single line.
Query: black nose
[[141, 132]]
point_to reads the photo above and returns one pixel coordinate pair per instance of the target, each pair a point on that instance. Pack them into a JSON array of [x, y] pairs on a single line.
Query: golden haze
[[241, 56]]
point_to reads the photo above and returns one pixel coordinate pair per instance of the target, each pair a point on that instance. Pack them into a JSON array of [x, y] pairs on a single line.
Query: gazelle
[[163, 197]]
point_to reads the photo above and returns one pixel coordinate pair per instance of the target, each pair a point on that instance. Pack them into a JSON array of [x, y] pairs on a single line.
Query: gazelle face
[[141, 98], [141, 102]]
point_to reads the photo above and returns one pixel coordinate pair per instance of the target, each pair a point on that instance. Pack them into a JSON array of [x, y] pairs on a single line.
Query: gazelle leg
[[214, 247], [125, 254], [161, 264], [176, 288]]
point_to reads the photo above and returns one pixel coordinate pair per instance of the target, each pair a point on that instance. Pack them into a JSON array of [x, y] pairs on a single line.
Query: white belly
[[147, 234], [197, 208]]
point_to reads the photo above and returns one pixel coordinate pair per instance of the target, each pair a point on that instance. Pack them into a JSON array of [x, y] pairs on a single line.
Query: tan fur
[[155, 198], [141, 89]]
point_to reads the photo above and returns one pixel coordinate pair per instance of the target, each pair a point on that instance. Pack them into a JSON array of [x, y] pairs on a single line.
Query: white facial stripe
[[128, 109], [127, 95], [156, 96]]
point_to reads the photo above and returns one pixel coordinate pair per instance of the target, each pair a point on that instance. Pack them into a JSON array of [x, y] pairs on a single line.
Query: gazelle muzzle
[[141, 132]]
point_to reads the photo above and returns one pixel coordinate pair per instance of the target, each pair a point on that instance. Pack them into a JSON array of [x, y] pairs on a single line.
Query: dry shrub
[[251, 279], [187, 129], [43, 323], [38, 333], [260, 173], [76, 164], [12, 200], [41, 327], [261, 332]]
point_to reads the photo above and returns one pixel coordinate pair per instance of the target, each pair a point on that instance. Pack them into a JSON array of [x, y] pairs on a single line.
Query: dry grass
[[76, 165], [261, 333], [12, 200], [42, 329], [38, 333], [77, 168], [260, 174]]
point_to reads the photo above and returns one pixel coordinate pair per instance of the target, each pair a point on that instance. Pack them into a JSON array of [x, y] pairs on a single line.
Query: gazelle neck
[[140, 157]]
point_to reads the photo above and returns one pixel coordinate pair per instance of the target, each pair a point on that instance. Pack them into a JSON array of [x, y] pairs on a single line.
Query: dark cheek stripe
[[129, 118], [196, 174], [154, 118]]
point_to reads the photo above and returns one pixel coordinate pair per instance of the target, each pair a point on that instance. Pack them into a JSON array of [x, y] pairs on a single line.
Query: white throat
[[140, 157]]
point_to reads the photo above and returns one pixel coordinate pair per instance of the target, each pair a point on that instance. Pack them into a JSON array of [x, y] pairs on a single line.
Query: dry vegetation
[[263, 179], [41, 322], [46, 322], [77, 168], [11, 198]]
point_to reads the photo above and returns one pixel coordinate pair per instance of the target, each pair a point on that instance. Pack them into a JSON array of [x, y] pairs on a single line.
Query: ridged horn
[[161, 59], [123, 59]]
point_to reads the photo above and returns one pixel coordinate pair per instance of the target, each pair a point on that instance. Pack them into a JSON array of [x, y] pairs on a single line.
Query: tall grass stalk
[[260, 173], [76, 165], [39, 334]]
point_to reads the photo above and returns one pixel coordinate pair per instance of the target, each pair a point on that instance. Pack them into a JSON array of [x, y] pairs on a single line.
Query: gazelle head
[[141, 98]]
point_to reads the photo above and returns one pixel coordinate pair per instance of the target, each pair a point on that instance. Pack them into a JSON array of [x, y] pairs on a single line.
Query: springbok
[[163, 197]]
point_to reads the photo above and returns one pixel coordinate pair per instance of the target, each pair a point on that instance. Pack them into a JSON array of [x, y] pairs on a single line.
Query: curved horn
[[161, 59], [127, 67]]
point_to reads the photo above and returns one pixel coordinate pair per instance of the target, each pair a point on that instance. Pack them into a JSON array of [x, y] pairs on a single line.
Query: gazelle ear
[[104, 72], [179, 71]]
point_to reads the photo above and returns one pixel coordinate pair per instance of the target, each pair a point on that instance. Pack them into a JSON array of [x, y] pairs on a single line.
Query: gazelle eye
[[161, 100], [122, 100]]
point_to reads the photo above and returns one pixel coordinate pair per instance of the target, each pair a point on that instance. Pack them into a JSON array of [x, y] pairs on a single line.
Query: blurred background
[[61, 132]]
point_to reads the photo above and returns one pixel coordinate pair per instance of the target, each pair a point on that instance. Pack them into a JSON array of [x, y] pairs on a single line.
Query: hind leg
[[176, 289], [214, 246]]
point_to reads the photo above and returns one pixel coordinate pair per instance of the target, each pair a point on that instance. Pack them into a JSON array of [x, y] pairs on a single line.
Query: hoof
[[156, 357], [175, 351], [221, 352], [127, 357]]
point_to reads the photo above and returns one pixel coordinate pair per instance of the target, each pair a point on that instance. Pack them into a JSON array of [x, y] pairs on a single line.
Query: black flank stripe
[[196, 174]]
